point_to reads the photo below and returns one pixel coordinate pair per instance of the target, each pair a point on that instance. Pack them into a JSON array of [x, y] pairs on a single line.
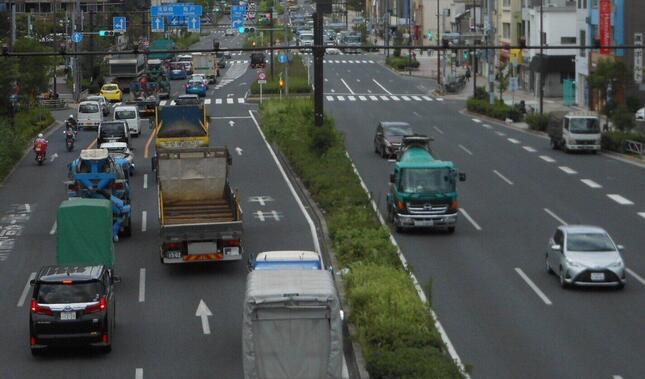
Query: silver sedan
[[586, 256]]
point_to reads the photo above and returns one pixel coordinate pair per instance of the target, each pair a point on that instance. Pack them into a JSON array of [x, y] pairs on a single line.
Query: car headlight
[[571, 263], [616, 263]]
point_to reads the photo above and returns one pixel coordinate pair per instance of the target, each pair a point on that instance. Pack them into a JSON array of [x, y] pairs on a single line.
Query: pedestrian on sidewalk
[[467, 74]]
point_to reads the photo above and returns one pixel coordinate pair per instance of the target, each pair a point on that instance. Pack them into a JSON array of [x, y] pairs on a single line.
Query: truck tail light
[[229, 243], [118, 186], [40, 309], [173, 246], [98, 307]]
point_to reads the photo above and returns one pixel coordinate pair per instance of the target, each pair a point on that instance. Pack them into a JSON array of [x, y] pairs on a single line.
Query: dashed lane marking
[[470, 219], [529, 149], [555, 216], [619, 199], [503, 177], [533, 286], [568, 170], [547, 158], [591, 183]]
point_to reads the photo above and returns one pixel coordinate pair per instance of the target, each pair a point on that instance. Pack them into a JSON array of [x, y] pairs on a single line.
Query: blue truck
[[94, 175]]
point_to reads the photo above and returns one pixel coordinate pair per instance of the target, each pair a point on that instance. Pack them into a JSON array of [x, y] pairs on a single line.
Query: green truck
[[423, 190], [162, 44], [84, 233]]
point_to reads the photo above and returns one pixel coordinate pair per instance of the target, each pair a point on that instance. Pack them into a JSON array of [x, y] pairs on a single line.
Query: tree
[[609, 77], [502, 78], [33, 72]]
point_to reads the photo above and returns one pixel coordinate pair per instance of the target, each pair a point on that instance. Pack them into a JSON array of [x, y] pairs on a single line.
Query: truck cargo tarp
[[291, 326], [84, 232], [181, 121]]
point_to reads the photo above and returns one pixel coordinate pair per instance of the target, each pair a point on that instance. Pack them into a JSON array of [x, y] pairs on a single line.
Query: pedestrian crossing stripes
[[208, 101], [367, 98], [352, 61], [239, 62]]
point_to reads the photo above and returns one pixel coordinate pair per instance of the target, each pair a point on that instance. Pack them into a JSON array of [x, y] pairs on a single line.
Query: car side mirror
[[116, 279], [556, 247], [620, 247], [391, 178], [462, 176]]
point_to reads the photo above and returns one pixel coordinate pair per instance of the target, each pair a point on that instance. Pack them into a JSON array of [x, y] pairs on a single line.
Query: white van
[[129, 114], [89, 115]]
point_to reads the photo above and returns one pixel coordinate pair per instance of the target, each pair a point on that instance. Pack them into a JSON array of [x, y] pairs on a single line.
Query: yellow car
[[111, 92]]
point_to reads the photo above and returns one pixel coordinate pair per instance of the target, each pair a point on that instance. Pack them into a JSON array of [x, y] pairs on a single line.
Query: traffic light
[[106, 33], [466, 55], [281, 84], [250, 29]]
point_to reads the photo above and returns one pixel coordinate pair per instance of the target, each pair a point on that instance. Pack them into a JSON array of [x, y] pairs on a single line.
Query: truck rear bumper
[[425, 221], [201, 258]]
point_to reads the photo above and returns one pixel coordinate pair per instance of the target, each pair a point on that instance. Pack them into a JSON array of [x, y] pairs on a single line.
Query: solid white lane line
[[635, 275], [534, 287], [568, 170], [312, 226], [500, 134], [642, 214], [555, 216], [345, 83], [145, 181], [383, 88], [437, 129], [138, 373], [25, 291], [142, 285], [619, 199], [476, 120], [503, 177], [547, 158], [529, 149], [591, 183], [330, 98], [466, 150], [475, 225], [144, 220], [513, 140], [52, 231]]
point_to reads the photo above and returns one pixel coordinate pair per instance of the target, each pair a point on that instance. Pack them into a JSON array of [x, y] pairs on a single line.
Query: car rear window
[[110, 88], [88, 108], [124, 115], [87, 292], [112, 130]]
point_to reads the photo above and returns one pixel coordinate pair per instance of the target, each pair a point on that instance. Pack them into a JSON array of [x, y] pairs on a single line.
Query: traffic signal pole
[[318, 54]]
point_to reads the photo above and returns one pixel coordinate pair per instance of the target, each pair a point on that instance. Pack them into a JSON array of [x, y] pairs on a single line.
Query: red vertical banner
[[604, 29]]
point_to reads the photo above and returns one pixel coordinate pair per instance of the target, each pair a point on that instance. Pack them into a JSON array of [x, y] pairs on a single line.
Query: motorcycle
[[71, 125], [69, 139], [40, 148]]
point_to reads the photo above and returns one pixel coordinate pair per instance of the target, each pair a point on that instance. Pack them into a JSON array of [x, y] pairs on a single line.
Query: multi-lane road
[[503, 313]]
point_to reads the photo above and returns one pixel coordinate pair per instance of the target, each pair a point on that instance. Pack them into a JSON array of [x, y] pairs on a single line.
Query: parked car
[[177, 73], [196, 87], [89, 114], [388, 138], [72, 305], [640, 114], [122, 155], [586, 256], [105, 107], [129, 114], [111, 92], [113, 131]]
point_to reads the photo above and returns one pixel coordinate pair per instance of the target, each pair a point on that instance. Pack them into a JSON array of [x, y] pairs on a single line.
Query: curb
[[356, 365], [47, 132]]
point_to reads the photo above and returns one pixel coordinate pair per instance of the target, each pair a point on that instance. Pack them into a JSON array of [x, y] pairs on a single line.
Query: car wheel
[[563, 282], [376, 148], [383, 153], [620, 286], [554, 145], [548, 267]]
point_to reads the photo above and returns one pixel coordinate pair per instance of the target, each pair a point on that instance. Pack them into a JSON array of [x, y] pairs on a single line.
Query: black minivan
[[113, 131]]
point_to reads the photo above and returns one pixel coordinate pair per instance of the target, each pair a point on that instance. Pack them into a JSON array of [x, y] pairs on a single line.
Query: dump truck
[[123, 69], [199, 213], [574, 131], [206, 64], [84, 233], [291, 325], [181, 126], [423, 189]]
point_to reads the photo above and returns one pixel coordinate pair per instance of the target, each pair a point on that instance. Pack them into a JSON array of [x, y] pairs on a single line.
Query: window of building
[[568, 40], [584, 4], [506, 3], [506, 30], [583, 41]]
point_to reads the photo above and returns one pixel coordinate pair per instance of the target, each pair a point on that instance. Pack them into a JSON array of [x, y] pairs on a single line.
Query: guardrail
[[635, 147], [52, 103]]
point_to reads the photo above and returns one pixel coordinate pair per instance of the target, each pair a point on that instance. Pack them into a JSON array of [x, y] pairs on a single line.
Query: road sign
[[237, 24], [176, 20], [262, 76], [282, 58], [194, 24], [157, 24], [119, 24], [176, 10], [77, 37]]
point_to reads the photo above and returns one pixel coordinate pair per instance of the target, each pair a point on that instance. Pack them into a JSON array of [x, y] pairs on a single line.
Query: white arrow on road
[[231, 123], [53, 157], [204, 312], [239, 150]]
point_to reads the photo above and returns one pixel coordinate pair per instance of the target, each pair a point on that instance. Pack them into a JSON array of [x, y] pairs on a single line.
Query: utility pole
[[286, 42], [491, 54], [318, 66], [541, 57], [409, 37], [439, 81], [13, 24], [75, 63], [271, 39], [475, 63]]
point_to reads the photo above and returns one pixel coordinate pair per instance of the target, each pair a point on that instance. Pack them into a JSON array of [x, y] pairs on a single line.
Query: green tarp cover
[[84, 233]]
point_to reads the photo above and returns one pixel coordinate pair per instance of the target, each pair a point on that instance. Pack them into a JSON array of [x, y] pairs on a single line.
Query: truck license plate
[[173, 254], [68, 315], [424, 223], [597, 276]]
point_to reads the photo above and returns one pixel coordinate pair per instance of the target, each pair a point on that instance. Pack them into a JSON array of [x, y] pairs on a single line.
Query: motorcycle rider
[[41, 143], [71, 122]]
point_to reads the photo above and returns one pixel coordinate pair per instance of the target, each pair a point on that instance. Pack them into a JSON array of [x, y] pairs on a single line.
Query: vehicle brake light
[[98, 307], [106, 338], [229, 243], [33, 341], [40, 309], [172, 245], [68, 281], [117, 186]]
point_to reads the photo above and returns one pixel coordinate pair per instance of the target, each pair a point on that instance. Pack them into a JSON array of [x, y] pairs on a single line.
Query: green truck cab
[[423, 190]]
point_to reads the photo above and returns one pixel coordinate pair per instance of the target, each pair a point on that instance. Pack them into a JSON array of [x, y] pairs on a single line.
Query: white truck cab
[[129, 114], [575, 131]]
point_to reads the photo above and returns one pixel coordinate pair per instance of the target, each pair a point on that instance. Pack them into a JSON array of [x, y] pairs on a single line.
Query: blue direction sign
[[193, 24], [119, 24], [176, 21], [77, 37], [282, 58], [176, 10], [157, 24], [237, 24]]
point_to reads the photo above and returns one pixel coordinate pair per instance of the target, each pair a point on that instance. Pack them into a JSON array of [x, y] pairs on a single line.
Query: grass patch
[[297, 78], [393, 326], [13, 141]]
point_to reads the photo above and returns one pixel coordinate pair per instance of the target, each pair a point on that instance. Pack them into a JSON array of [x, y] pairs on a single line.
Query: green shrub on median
[[393, 326], [401, 63]]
